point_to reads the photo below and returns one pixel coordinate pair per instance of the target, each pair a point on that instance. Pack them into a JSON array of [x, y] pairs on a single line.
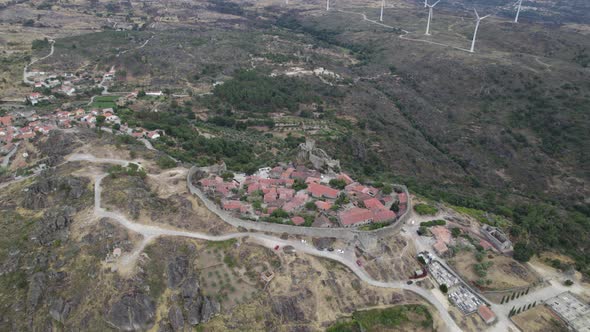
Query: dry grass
[[538, 319], [505, 273]]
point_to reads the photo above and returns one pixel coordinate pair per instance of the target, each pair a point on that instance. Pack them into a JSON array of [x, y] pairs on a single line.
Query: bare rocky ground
[[60, 265]]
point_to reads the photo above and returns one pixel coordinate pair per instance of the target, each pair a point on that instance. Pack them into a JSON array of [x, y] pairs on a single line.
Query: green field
[[399, 317]]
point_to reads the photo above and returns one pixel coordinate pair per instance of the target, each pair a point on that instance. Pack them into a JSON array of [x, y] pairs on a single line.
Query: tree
[[116, 126], [395, 207], [141, 93], [337, 183], [513, 295], [100, 119], [503, 299], [568, 282], [455, 231], [522, 252], [444, 288]]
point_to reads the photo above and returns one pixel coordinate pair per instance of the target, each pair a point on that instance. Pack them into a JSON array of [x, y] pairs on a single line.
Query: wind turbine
[[382, 6], [519, 4], [476, 27], [430, 16]]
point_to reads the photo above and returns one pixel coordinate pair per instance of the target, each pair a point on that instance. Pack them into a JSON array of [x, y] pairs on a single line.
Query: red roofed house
[[383, 215], [323, 205], [345, 177], [403, 198], [271, 196], [355, 217], [231, 205], [285, 193], [253, 187], [6, 120], [373, 204], [298, 220], [486, 314], [318, 190]]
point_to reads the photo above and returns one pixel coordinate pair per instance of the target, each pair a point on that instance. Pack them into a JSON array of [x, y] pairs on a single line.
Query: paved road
[[6, 160], [25, 74], [151, 232]]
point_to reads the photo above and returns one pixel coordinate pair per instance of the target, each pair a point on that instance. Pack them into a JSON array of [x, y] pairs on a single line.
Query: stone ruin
[[317, 157]]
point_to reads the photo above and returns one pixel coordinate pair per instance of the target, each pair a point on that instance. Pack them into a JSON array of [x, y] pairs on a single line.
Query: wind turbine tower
[[430, 16], [327, 4], [519, 4], [476, 27], [382, 6]]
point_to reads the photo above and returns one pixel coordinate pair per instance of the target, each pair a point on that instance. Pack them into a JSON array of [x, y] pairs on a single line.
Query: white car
[[340, 251]]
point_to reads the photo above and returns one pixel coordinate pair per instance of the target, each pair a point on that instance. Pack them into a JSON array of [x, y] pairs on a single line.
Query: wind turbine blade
[[436, 3], [476, 14], [485, 16]]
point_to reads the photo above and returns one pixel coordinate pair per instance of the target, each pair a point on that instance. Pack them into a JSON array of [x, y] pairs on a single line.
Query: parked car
[[277, 247], [359, 263]]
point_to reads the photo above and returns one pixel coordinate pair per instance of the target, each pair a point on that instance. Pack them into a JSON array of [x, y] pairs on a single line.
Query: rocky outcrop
[[59, 309], [51, 189], [54, 224], [132, 312], [176, 318], [37, 285], [198, 308], [177, 271], [57, 145], [287, 309]]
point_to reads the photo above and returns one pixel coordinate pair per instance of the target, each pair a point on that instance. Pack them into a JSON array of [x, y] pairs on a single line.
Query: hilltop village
[[298, 195]]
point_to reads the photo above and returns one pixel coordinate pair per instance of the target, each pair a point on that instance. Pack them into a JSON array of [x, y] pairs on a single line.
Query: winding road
[[26, 74], [150, 232], [405, 32]]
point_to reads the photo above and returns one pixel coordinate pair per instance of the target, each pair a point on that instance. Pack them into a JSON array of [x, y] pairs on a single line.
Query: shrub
[[444, 288], [165, 162], [425, 209]]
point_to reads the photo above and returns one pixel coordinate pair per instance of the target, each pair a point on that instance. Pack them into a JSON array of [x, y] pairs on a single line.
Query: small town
[[301, 196]]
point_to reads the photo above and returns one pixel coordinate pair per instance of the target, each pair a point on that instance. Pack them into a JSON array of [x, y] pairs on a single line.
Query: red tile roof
[[345, 177], [6, 120], [298, 220], [403, 198], [232, 205], [323, 205], [355, 216], [383, 215], [486, 313], [319, 190], [373, 203]]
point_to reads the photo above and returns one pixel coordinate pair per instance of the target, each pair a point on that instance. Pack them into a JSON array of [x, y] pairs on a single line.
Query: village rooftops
[[319, 190], [486, 314], [297, 220], [356, 216]]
